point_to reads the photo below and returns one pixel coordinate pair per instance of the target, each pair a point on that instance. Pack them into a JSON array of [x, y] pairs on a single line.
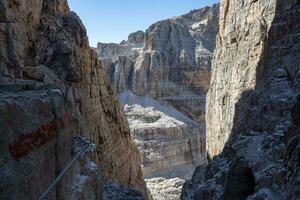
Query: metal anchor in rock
[[82, 146]]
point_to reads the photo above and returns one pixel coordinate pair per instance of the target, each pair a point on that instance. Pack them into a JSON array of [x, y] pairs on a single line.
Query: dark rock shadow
[[270, 111], [275, 102]]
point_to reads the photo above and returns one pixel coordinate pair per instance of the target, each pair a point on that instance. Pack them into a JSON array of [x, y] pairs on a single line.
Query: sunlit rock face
[[174, 63], [240, 47], [253, 105], [52, 89], [165, 137], [162, 88], [176, 50], [129, 48]]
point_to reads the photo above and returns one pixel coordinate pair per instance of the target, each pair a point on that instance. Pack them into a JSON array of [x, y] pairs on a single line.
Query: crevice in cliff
[[239, 182]]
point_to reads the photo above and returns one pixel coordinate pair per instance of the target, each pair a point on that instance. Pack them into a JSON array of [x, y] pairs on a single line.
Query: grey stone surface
[[53, 88], [129, 48], [113, 191], [173, 63], [162, 83], [252, 105]]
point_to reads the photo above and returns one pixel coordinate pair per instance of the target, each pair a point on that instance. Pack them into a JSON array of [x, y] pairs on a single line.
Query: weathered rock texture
[[162, 87], [174, 64], [53, 88], [253, 105], [174, 49], [240, 45], [129, 48], [166, 138]]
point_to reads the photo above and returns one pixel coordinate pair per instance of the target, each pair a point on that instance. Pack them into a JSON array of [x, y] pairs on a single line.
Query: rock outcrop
[[253, 105], [52, 89], [239, 50]]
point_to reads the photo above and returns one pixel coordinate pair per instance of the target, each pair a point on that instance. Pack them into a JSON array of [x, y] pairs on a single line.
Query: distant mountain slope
[[162, 84], [175, 60]]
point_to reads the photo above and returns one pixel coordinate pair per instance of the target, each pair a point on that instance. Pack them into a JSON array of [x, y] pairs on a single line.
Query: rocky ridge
[[52, 89], [110, 52], [253, 105]]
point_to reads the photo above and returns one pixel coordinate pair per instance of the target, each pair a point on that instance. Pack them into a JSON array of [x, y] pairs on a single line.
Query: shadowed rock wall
[[53, 88], [252, 104]]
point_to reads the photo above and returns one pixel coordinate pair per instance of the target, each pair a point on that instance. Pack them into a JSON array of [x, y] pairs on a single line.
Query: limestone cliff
[[253, 105], [52, 89], [240, 45], [174, 63], [169, 142], [162, 88], [175, 50], [129, 48]]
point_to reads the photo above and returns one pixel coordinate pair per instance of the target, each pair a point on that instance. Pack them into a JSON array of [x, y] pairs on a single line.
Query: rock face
[[174, 64], [174, 50], [253, 105], [162, 88], [52, 89], [239, 50], [129, 48], [167, 139]]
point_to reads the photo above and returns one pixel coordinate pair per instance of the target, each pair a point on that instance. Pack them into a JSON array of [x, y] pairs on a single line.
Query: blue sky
[[114, 20]]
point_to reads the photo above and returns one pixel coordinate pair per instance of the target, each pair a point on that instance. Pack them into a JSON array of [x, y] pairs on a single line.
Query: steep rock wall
[[166, 138], [177, 52], [162, 88], [129, 48], [240, 44], [53, 89], [253, 105], [174, 63]]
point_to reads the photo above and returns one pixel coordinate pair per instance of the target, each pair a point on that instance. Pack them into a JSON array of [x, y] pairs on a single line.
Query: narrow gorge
[[202, 106], [161, 77]]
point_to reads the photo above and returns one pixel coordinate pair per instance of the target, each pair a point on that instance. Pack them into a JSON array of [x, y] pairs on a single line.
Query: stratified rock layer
[[162, 86], [174, 63], [129, 48], [52, 89], [174, 50], [253, 105], [166, 138]]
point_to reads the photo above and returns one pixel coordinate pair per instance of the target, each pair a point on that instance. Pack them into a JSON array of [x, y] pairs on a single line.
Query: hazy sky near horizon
[[114, 20]]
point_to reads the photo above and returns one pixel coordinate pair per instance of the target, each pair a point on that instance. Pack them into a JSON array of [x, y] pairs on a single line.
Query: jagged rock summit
[[52, 89], [110, 52]]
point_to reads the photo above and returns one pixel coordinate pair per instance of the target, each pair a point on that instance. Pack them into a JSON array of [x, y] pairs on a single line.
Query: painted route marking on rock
[[23, 145]]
